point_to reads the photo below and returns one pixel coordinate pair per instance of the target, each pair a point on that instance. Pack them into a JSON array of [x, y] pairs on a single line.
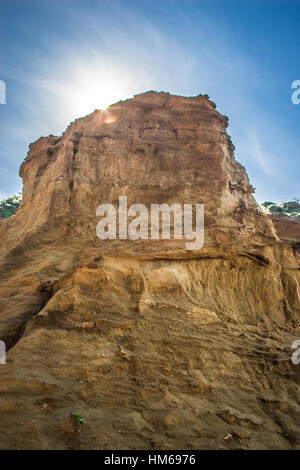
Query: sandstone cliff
[[157, 346]]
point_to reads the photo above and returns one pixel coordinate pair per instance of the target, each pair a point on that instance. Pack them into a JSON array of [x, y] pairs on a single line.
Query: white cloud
[[253, 150], [257, 151]]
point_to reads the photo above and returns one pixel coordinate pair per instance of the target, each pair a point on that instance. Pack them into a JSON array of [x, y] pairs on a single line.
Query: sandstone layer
[[156, 346]]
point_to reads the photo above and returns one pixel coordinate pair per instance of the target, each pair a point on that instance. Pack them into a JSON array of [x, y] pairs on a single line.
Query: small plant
[[77, 418], [267, 204]]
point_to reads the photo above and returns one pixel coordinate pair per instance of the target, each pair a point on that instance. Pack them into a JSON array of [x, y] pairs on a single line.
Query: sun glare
[[92, 91], [91, 96], [109, 120], [84, 85]]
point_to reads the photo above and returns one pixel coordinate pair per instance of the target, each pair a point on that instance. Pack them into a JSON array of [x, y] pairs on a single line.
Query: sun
[[84, 85], [94, 86], [95, 94]]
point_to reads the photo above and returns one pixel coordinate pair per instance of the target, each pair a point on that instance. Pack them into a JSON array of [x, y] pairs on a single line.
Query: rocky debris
[[157, 346]]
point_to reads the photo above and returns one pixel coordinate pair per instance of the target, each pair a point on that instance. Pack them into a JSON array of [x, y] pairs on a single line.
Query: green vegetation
[[77, 418], [9, 206], [288, 208]]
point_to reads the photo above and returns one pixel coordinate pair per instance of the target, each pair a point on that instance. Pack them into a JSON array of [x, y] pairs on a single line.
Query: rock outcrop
[[288, 230], [156, 346]]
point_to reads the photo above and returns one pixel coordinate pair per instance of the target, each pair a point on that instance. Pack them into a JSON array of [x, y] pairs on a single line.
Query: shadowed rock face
[[156, 346]]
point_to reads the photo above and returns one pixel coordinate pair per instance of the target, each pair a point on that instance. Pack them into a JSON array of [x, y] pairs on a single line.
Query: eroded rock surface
[[156, 346]]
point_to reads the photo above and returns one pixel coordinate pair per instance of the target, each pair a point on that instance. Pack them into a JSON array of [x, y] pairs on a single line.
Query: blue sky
[[61, 59]]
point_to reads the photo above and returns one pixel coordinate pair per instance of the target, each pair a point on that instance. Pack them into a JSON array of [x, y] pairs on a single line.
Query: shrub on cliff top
[[289, 208], [9, 206]]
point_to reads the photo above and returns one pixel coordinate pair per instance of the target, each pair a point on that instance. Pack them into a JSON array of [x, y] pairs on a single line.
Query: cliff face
[[157, 346]]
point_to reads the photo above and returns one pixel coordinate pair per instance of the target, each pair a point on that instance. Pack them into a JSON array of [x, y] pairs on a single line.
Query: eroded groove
[[46, 291]]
